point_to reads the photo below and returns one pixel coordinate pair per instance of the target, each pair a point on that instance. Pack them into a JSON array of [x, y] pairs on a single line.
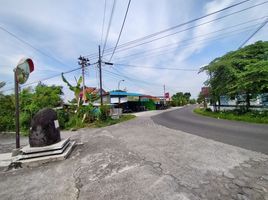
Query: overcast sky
[[58, 32]]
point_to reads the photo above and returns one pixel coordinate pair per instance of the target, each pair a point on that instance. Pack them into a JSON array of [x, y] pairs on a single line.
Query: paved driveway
[[139, 159]]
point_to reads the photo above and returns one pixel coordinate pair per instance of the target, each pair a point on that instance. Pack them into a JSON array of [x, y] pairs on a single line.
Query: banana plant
[[76, 89]]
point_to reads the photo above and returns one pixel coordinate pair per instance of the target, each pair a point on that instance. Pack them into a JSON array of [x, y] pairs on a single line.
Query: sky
[[55, 33]]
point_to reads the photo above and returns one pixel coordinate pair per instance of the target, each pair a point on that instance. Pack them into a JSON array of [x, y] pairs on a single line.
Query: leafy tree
[[31, 101], [181, 99], [7, 113], [239, 72], [187, 96], [2, 84]]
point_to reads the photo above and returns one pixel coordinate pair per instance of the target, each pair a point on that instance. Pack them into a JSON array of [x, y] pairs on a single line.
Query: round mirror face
[[22, 72]]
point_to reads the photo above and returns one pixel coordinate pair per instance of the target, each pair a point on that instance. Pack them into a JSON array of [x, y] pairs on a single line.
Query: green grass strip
[[251, 116]]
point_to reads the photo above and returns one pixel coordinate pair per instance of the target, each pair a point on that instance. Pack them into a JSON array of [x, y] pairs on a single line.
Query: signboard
[[23, 70], [167, 95], [205, 91]]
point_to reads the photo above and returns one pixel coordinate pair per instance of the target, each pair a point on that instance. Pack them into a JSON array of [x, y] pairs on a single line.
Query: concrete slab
[[41, 160], [28, 150], [44, 153], [5, 159]]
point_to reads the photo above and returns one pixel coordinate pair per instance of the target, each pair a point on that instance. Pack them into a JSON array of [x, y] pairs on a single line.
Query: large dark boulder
[[43, 128]]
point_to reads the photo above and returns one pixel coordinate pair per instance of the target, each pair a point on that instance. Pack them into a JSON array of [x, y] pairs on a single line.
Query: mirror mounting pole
[[17, 115]]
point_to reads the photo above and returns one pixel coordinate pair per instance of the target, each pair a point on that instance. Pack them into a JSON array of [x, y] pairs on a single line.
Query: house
[[96, 92]]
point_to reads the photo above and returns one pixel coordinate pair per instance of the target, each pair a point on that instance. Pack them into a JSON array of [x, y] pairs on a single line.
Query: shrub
[[75, 122], [63, 118], [149, 105], [104, 112]]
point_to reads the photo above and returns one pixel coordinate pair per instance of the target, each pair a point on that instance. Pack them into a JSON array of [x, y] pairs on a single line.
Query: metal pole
[[119, 84], [164, 95], [100, 75], [17, 114]]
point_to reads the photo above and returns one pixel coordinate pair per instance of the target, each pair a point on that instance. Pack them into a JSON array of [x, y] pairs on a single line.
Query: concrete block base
[[34, 156]]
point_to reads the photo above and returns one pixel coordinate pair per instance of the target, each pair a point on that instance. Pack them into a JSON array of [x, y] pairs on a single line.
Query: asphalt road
[[246, 135]]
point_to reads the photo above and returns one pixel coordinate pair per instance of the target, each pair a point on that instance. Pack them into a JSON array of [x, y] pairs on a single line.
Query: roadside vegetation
[[240, 76], [249, 116], [72, 116], [182, 99]]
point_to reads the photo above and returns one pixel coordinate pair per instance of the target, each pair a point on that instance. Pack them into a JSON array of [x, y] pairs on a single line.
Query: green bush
[[149, 105], [63, 118], [104, 112], [75, 122], [25, 123], [7, 123]]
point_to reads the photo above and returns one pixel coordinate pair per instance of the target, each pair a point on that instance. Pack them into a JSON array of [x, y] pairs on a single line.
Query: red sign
[[205, 91], [167, 95]]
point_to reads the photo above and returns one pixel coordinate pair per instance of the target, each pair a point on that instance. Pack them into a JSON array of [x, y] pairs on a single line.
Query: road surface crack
[[77, 181]]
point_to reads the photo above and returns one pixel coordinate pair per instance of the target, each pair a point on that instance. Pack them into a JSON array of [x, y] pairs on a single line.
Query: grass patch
[[110, 121], [250, 116]]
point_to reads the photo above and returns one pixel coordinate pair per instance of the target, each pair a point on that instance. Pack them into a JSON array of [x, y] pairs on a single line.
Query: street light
[[119, 83]]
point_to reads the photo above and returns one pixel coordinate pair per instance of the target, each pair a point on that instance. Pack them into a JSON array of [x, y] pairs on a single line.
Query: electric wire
[[120, 30], [259, 28], [30, 45], [109, 26], [45, 79], [152, 53], [192, 27], [176, 26], [199, 36], [152, 67], [103, 21]]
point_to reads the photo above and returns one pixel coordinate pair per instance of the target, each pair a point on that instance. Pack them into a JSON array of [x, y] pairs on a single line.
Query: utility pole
[[84, 62], [164, 94], [100, 76], [99, 63]]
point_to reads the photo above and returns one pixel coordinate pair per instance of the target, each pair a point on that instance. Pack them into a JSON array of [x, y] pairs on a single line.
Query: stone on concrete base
[[34, 156]]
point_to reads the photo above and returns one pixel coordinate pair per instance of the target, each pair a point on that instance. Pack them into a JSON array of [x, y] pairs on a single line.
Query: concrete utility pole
[[100, 76], [164, 95], [99, 63], [84, 62]]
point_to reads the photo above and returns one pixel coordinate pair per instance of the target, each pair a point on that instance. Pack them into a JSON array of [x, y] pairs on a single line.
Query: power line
[[192, 27], [259, 28], [45, 79], [150, 67], [177, 26], [173, 49], [120, 30], [129, 78], [30, 45], [199, 36], [103, 21], [109, 26]]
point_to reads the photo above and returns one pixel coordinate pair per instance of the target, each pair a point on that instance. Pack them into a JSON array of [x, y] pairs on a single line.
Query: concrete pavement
[[139, 159]]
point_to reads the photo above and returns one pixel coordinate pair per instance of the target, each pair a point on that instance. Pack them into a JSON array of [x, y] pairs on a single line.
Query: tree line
[[242, 72]]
